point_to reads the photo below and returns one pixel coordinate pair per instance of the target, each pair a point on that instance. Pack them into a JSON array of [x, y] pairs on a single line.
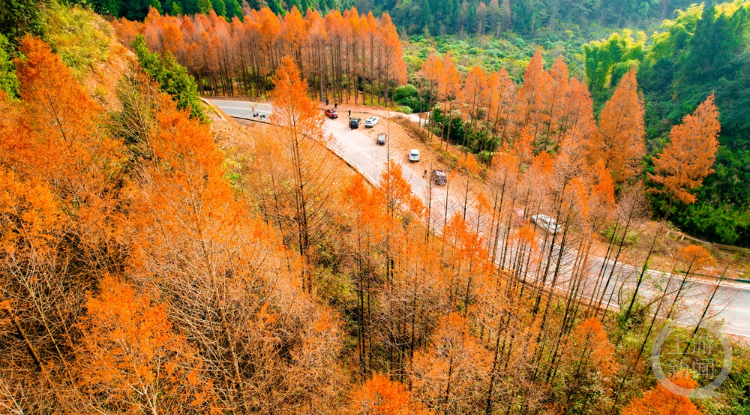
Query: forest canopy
[[437, 17], [157, 257]]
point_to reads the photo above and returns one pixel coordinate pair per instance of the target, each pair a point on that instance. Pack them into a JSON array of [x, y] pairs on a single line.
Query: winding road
[[732, 301]]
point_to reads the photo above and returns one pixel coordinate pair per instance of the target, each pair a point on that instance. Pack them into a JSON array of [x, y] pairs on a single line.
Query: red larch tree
[[533, 97], [690, 153], [450, 375], [660, 401], [301, 128], [450, 85], [131, 359], [620, 141], [380, 396]]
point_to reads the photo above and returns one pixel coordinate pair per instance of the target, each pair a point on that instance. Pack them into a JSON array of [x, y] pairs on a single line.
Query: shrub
[[172, 78], [78, 35], [403, 92], [8, 80], [21, 17], [405, 109], [630, 239]]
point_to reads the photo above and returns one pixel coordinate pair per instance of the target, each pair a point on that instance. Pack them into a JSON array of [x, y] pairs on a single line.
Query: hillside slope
[[155, 262]]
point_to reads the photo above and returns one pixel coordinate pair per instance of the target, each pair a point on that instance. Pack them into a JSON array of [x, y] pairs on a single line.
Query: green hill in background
[[703, 51]]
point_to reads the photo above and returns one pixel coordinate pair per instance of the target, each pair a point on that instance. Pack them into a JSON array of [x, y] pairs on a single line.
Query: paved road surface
[[733, 299]]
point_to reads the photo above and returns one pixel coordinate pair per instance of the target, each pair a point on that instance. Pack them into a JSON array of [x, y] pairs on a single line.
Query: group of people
[[335, 105], [257, 114]]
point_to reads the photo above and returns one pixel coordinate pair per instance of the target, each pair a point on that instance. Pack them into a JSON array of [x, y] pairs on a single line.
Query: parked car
[[371, 122], [413, 155], [354, 123], [381, 139], [439, 178], [332, 114], [546, 223]]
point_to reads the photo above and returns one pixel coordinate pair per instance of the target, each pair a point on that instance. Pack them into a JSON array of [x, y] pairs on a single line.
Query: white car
[[413, 155], [547, 223], [371, 122]]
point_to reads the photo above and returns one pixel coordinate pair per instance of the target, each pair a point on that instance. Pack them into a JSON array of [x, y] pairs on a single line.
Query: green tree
[[172, 77], [529, 15], [8, 80], [426, 18], [275, 6], [189, 6], [176, 9], [155, 4], [712, 47], [19, 17], [204, 6], [137, 9], [606, 62], [233, 9], [219, 7], [107, 7]]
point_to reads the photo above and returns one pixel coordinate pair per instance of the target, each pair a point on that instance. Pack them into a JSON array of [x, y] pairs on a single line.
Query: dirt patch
[[231, 133], [238, 137], [101, 83]]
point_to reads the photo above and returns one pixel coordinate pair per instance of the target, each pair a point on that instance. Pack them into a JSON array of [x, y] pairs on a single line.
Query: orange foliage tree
[[450, 376], [475, 97], [533, 97], [660, 401], [400, 206], [132, 361], [61, 173], [502, 92], [431, 69], [380, 396], [449, 87], [620, 141], [238, 57], [59, 139], [33, 286], [228, 281], [588, 365], [502, 178], [690, 153], [555, 106], [366, 219], [301, 129]]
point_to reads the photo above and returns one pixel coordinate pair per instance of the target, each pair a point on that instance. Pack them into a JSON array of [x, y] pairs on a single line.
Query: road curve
[[732, 300]]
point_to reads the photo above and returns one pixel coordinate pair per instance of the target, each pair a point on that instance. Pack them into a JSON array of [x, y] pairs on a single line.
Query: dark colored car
[[439, 177], [354, 123], [332, 114], [381, 139]]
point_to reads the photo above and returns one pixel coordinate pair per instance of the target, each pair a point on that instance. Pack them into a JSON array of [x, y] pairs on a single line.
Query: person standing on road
[[326, 102], [424, 174], [350, 113], [335, 105]]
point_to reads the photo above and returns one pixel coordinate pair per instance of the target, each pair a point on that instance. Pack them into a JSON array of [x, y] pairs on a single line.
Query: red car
[[332, 114]]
